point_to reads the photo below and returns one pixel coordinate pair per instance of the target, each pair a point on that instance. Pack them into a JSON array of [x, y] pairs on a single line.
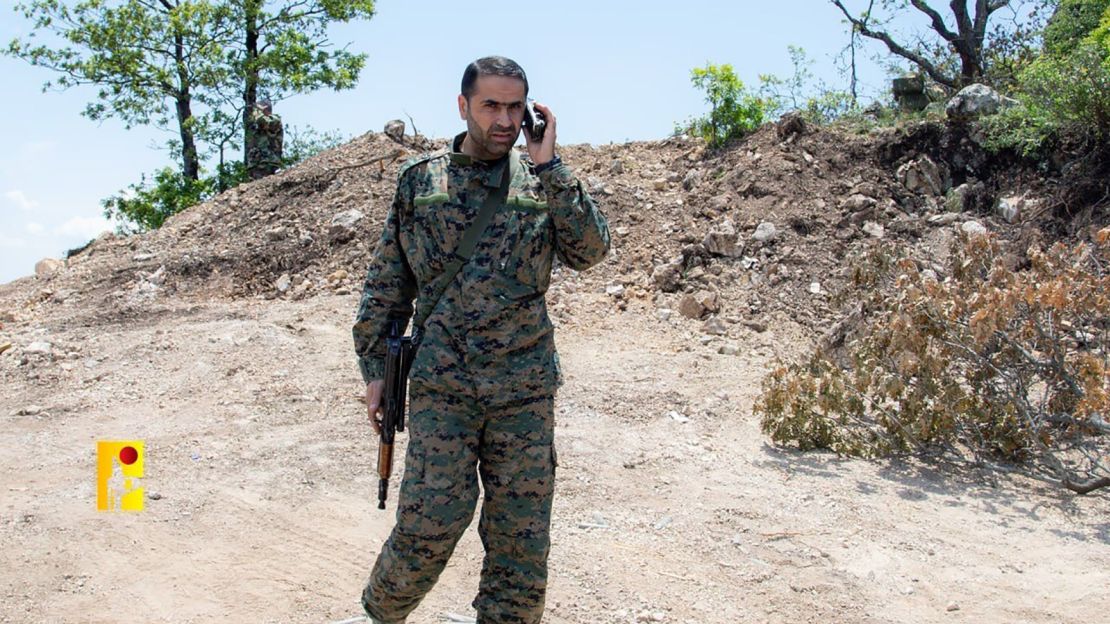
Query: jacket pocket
[[530, 251]]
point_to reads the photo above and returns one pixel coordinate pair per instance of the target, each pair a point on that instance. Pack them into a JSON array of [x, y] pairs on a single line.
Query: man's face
[[493, 115]]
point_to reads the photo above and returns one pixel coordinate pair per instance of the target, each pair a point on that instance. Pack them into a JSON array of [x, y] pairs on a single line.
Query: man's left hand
[[542, 151]]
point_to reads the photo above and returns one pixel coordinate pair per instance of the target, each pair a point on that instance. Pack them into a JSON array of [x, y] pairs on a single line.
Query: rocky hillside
[[729, 239]]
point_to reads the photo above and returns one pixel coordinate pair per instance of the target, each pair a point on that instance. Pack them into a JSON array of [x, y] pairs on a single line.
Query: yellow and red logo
[[119, 471]]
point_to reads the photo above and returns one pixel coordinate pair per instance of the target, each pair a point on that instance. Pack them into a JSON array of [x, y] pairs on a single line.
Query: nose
[[504, 118]]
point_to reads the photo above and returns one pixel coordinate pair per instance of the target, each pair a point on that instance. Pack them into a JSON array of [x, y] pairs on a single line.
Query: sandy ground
[[258, 446]]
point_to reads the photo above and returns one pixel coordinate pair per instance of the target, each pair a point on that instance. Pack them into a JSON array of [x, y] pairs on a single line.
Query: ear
[[462, 106]]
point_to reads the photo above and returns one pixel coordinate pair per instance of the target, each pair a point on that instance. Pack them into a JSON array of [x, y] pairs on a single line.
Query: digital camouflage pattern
[[265, 143], [483, 381]]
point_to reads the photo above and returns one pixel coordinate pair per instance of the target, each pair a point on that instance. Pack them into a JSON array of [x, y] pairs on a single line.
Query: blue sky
[[612, 71]]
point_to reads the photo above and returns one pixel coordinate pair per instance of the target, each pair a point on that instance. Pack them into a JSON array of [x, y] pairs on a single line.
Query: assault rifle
[[398, 358]]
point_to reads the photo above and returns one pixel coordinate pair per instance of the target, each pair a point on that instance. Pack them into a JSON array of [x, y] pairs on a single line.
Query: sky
[[611, 71]]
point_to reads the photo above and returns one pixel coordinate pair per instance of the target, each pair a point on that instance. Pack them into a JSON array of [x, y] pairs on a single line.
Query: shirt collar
[[490, 170]]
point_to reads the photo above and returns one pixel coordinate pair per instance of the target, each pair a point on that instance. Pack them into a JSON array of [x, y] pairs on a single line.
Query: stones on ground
[[1010, 208], [729, 348], [344, 226], [692, 179], [715, 327], [697, 305], [616, 166], [395, 130], [973, 228], [958, 198], [663, 314], [30, 410], [789, 125], [765, 232], [925, 177], [815, 288], [677, 417], [944, 219], [338, 275], [857, 202], [615, 290], [283, 283], [622, 230], [952, 606], [975, 101], [276, 234], [659, 184], [874, 229], [39, 347], [723, 240], [48, 266], [667, 276]]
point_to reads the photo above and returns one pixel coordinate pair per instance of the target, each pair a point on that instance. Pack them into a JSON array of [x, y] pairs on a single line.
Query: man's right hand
[[374, 404]]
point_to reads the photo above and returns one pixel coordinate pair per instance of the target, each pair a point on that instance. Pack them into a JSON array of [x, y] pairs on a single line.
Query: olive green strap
[[468, 243]]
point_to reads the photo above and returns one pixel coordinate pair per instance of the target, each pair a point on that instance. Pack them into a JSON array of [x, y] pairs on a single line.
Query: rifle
[[398, 358]]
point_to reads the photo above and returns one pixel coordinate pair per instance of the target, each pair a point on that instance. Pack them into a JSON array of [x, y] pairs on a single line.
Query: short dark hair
[[491, 66]]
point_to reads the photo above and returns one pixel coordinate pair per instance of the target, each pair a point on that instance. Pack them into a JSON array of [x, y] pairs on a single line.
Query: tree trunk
[[251, 10], [190, 162]]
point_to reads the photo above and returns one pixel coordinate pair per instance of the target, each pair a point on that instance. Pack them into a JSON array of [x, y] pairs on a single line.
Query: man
[[482, 386], [264, 141]]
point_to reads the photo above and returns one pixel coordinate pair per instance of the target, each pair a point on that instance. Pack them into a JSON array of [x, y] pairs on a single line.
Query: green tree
[[145, 206], [734, 111], [966, 39], [1072, 22], [196, 66], [151, 61]]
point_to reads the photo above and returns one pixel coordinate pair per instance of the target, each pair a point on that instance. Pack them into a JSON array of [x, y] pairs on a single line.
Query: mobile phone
[[534, 122]]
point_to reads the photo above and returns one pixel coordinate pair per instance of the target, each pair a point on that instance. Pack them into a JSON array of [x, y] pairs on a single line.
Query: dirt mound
[[735, 237]]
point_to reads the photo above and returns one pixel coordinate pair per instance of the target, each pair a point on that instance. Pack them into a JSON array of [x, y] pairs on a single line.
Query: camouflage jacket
[[266, 139], [490, 331]]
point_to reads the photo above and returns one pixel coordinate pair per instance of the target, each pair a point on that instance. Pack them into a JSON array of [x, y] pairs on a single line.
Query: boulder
[[925, 177], [975, 101], [343, 226], [667, 276], [697, 305], [48, 266], [723, 240], [395, 130]]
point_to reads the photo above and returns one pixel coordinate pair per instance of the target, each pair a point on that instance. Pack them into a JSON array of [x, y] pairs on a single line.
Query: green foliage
[[734, 111], [145, 206], [1072, 22], [187, 66], [304, 143], [1007, 365], [817, 103]]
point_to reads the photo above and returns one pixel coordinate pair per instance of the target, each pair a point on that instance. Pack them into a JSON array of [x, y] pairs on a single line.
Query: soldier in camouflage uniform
[[264, 141], [482, 386]]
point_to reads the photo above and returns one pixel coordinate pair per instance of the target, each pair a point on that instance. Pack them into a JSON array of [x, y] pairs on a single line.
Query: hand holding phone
[[534, 121]]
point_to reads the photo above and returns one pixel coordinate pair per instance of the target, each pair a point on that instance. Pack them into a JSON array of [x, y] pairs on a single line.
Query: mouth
[[502, 136]]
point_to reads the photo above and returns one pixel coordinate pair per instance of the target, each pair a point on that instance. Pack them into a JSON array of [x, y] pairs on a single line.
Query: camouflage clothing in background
[[264, 146], [483, 381]]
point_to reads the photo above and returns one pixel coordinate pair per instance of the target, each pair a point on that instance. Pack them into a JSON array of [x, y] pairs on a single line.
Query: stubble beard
[[488, 148]]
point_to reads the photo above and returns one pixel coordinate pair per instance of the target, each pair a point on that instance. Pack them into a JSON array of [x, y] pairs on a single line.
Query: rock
[[697, 305], [338, 276], [663, 314], [692, 178], [622, 231], [958, 198], [343, 226], [659, 184], [1010, 208], [715, 327], [815, 288], [952, 606], [30, 410], [48, 266], [276, 234], [616, 166], [908, 84], [729, 348], [723, 240], [154, 496], [975, 101], [944, 219], [857, 202], [765, 232], [677, 417], [924, 177], [283, 283], [39, 347], [395, 130], [874, 229], [790, 124], [667, 276], [615, 290], [973, 228], [143, 257]]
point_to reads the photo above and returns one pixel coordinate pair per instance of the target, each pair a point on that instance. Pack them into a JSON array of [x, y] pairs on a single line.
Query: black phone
[[534, 122]]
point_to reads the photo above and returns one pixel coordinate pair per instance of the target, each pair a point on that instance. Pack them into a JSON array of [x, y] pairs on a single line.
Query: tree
[[285, 49], [962, 53], [152, 60], [199, 63]]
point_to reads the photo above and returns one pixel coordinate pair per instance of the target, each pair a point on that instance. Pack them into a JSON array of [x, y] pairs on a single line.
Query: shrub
[[1002, 364], [734, 111], [146, 206]]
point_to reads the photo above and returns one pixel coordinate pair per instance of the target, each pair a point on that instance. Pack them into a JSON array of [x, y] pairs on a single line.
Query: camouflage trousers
[[454, 441]]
